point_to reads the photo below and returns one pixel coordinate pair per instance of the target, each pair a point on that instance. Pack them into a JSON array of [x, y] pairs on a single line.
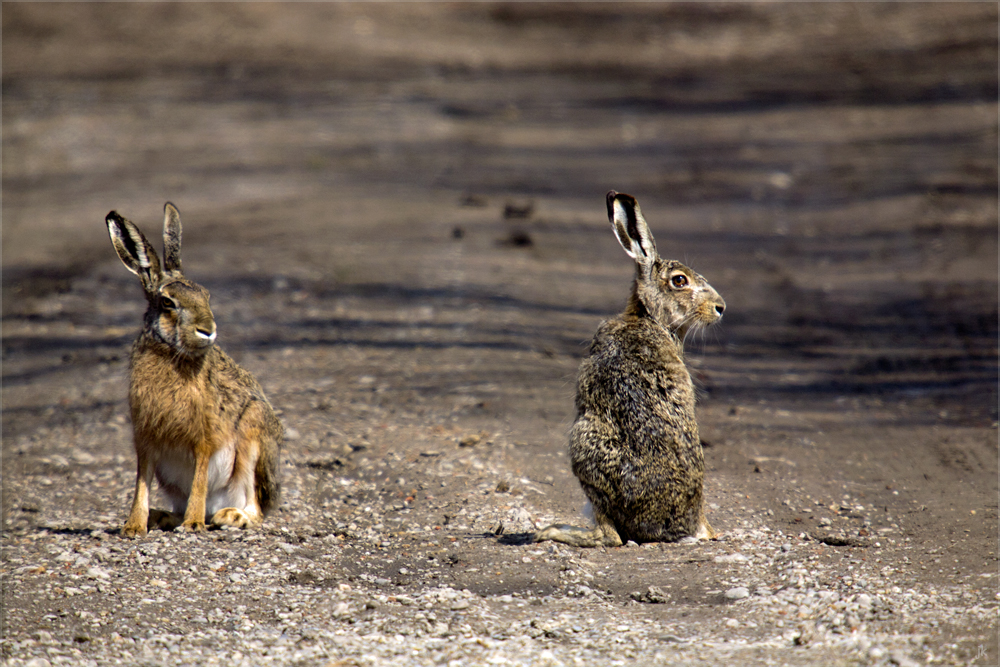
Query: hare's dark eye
[[680, 280], [167, 303]]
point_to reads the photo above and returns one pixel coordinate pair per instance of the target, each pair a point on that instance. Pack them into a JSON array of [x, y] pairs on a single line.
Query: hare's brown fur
[[202, 425], [634, 445]]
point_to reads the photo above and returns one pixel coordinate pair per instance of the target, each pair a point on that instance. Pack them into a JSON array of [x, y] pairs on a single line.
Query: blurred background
[[403, 176]]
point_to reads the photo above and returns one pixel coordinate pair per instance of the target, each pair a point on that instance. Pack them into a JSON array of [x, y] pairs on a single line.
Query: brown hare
[[634, 445], [201, 424]]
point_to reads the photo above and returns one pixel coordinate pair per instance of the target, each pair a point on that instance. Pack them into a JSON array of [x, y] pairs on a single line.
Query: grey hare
[[634, 445], [201, 424]]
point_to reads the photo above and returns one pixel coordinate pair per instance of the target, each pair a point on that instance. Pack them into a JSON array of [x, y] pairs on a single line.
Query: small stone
[[732, 623], [653, 595], [737, 593], [731, 558], [83, 458], [898, 657], [802, 637], [458, 605], [471, 440]]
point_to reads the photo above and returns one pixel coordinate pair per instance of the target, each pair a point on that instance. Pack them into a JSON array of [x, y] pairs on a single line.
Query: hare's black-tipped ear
[[135, 251], [631, 228], [171, 239]]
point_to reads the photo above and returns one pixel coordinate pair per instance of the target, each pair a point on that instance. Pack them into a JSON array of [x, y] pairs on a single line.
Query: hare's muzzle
[[197, 329], [713, 308], [206, 335]]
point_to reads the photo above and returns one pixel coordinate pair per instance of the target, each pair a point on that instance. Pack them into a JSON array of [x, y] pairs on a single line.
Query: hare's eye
[[680, 280], [167, 303]]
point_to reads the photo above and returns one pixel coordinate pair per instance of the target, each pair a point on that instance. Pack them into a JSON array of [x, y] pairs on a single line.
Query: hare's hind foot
[[705, 531], [237, 518], [600, 536]]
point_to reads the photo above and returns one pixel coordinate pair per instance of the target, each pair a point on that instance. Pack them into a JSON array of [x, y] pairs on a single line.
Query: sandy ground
[[399, 212]]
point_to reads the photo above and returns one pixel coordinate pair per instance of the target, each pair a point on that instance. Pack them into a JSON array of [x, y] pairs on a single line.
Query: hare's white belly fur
[[175, 472]]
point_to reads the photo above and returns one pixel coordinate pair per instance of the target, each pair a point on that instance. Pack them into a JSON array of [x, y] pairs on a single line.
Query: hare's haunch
[[634, 445], [201, 424]]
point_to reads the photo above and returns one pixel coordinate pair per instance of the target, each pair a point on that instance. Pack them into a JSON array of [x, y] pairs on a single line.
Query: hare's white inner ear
[[137, 246], [134, 250], [633, 232], [130, 245]]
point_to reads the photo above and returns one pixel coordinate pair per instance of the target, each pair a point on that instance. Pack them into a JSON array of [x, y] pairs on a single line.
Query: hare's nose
[[206, 334], [720, 308]]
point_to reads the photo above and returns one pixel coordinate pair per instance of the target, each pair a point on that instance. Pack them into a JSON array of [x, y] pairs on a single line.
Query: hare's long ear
[[171, 239], [631, 228], [136, 253]]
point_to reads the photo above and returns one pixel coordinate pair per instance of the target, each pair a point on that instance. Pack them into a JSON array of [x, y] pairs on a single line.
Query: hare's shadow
[[516, 539], [73, 532]]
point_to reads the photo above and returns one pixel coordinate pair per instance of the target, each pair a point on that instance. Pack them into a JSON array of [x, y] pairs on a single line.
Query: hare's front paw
[[191, 527], [231, 516], [132, 530]]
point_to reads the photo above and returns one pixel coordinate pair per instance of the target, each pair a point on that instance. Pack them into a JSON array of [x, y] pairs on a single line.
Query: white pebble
[[737, 593]]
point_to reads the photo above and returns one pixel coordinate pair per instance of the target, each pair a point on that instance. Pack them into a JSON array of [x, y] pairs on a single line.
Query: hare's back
[[636, 380]]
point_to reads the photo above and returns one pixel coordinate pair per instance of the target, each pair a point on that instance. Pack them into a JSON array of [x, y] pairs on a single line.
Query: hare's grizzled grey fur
[[634, 445], [201, 424]]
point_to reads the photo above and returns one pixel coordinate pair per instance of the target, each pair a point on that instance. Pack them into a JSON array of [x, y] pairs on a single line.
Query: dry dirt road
[[399, 212]]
